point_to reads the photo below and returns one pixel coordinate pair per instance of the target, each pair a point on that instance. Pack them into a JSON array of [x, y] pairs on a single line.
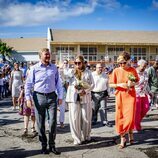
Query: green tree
[[5, 50]]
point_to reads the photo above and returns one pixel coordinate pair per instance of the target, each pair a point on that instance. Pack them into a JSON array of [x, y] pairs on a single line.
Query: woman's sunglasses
[[123, 63], [77, 63]]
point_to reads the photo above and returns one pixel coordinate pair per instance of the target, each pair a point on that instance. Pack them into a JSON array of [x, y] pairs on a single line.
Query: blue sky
[[31, 18]]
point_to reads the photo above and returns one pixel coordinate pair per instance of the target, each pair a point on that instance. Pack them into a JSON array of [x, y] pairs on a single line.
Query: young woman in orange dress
[[123, 79]]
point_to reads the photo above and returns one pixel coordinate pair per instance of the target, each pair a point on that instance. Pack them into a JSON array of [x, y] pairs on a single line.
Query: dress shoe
[[54, 150], [44, 151], [107, 124], [94, 123]]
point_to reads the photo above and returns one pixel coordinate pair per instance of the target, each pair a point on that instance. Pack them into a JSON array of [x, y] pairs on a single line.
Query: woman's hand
[[82, 93], [122, 85], [130, 83]]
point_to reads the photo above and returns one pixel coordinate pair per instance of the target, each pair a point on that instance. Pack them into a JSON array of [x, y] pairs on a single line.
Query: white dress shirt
[[100, 82]]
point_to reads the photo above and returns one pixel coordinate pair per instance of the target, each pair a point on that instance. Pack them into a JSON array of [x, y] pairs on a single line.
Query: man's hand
[[29, 103], [59, 101]]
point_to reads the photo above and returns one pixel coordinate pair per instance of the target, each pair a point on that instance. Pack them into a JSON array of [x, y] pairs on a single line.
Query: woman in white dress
[[79, 101], [15, 83]]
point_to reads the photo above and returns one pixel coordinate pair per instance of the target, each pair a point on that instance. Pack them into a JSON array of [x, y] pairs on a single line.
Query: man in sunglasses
[[99, 95]]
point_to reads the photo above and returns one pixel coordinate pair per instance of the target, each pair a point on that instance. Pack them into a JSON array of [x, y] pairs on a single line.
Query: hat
[[120, 59]]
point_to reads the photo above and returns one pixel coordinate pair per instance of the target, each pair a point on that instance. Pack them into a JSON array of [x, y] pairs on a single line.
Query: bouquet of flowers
[[82, 85], [132, 78]]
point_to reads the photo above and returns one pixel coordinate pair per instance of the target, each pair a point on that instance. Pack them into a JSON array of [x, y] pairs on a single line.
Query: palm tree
[[5, 51]]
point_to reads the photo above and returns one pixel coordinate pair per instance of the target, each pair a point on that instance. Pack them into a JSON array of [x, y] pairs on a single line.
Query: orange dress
[[125, 100]]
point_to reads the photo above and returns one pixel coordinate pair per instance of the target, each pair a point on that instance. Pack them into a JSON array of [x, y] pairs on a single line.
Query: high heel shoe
[[123, 143], [131, 142], [131, 139]]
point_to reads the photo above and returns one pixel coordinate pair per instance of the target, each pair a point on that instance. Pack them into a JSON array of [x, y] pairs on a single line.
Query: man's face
[[99, 68], [45, 57]]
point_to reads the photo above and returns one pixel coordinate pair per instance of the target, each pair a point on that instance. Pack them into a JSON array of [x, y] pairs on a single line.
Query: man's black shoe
[[107, 124], [44, 151], [54, 150], [94, 123]]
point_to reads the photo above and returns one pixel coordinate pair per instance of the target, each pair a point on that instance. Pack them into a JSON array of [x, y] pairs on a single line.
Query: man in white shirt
[[99, 95]]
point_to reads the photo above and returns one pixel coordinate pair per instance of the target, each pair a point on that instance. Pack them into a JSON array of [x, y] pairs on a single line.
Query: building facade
[[26, 49], [102, 45], [94, 45]]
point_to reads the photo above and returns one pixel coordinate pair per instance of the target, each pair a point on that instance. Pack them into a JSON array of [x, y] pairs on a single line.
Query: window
[[138, 53], [89, 53]]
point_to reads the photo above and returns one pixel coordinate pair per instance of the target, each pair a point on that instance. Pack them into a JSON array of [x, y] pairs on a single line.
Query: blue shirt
[[43, 79]]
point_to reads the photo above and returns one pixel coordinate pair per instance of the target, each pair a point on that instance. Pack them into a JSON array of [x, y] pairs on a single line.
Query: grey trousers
[[99, 104], [46, 104]]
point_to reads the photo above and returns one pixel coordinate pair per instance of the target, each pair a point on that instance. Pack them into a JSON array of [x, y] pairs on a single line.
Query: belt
[[44, 93], [99, 92]]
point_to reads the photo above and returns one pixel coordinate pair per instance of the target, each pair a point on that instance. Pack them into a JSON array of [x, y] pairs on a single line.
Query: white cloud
[[14, 13], [155, 4], [110, 4]]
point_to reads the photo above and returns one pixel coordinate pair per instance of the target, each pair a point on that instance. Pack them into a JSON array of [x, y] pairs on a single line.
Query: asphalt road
[[103, 145]]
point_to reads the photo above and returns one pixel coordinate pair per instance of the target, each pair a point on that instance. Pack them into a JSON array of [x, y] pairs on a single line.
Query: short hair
[[43, 50], [126, 55], [65, 60], [123, 56], [141, 61]]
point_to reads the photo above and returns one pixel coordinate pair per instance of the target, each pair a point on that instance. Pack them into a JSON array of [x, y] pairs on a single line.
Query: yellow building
[[93, 44], [102, 45]]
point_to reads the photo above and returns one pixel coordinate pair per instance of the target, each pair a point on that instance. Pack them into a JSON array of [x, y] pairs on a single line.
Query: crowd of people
[[38, 92]]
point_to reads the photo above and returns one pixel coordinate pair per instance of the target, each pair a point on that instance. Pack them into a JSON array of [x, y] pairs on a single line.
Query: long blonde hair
[[78, 72]]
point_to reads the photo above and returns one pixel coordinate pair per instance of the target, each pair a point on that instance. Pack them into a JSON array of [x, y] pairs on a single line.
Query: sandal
[[131, 139], [131, 142], [123, 143], [33, 130], [25, 132]]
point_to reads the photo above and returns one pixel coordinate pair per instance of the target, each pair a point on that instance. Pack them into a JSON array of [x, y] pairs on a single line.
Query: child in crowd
[[26, 112]]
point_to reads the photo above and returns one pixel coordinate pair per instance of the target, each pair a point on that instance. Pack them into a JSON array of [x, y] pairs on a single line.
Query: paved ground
[[103, 145]]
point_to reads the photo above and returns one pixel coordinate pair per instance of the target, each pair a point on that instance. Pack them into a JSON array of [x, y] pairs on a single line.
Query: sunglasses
[[123, 63], [65, 63], [77, 63]]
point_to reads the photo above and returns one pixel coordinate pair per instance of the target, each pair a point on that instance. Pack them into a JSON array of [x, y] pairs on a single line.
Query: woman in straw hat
[[123, 79]]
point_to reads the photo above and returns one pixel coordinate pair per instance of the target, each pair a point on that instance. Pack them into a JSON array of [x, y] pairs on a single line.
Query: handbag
[[21, 107]]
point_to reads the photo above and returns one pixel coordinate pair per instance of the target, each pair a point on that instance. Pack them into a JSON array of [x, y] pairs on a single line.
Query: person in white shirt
[[99, 95], [65, 73]]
